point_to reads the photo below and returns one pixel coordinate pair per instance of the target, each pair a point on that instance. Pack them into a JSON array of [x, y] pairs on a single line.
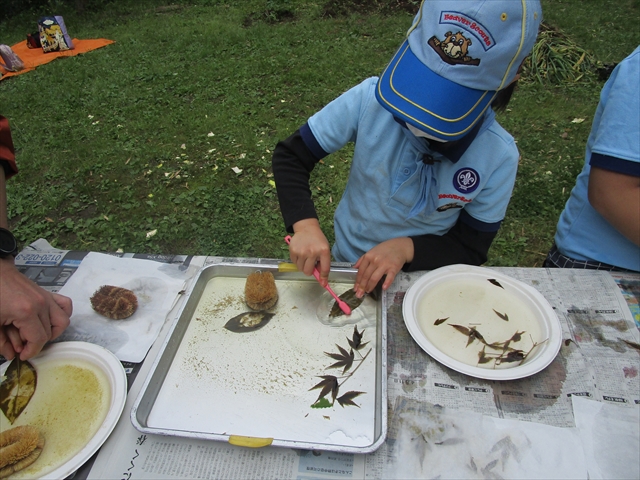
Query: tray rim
[[381, 397]]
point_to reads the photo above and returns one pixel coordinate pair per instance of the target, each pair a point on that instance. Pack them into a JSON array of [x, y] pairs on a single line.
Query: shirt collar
[[452, 150]]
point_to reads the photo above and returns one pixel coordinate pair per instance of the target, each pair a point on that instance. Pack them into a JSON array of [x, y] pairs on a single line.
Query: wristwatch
[[8, 244]]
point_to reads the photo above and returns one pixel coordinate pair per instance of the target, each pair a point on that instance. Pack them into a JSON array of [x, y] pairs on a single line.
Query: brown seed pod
[[260, 292], [19, 448], [114, 302]]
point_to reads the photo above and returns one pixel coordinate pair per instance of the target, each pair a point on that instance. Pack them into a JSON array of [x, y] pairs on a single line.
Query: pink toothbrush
[[316, 273]]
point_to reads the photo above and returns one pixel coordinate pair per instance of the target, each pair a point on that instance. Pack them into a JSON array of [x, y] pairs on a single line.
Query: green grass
[[143, 135]]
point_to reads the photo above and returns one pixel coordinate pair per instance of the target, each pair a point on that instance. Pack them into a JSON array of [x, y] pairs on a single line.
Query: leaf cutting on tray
[[356, 340], [248, 321], [347, 399], [495, 282], [328, 384], [345, 359], [503, 316], [440, 321], [17, 388]]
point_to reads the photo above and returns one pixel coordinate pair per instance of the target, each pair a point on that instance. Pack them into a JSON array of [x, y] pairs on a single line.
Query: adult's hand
[[309, 247], [386, 258], [29, 315]]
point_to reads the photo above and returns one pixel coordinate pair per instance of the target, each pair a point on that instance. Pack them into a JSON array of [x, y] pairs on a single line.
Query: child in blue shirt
[[432, 171], [599, 227]]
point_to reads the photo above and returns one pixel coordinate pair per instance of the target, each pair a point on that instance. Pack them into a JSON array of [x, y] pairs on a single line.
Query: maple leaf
[[356, 341], [347, 399], [345, 359], [328, 384]]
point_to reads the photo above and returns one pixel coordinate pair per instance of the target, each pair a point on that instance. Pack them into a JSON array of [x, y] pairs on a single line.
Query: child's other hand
[[386, 258], [309, 247]]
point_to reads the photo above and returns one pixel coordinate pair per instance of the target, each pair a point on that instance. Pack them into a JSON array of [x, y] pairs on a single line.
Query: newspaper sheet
[[598, 360]]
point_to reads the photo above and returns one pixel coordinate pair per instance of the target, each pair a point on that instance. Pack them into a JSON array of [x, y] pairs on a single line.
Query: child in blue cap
[[432, 171]]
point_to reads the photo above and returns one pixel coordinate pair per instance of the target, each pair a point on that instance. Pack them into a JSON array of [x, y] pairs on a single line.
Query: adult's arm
[[8, 166], [29, 315]]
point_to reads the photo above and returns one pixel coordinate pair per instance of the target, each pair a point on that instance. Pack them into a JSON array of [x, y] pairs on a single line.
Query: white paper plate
[[465, 296], [103, 360]]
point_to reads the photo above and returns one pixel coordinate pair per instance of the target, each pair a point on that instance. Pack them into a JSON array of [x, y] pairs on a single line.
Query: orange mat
[[34, 57]]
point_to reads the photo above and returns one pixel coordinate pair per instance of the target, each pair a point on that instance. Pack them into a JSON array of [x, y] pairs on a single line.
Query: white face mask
[[420, 133]]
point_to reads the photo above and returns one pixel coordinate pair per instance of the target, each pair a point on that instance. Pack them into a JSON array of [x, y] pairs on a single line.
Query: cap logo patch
[[466, 180], [454, 48], [472, 26]]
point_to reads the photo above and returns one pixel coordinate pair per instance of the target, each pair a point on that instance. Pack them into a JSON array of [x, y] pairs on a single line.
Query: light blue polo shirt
[[392, 193], [614, 144]]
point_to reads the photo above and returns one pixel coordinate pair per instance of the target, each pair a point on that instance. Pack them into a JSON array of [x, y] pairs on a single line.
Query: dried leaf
[[347, 399], [516, 337], [483, 358], [357, 337], [513, 356], [495, 282], [328, 384], [356, 340], [440, 320], [248, 321], [349, 297], [476, 334], [17, 388], [503, 316], [345, 359], [461, 329]]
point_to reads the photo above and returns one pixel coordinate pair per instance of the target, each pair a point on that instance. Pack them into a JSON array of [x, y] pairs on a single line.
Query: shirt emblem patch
[[466, 180]]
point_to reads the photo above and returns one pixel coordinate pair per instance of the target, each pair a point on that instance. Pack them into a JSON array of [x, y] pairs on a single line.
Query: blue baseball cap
[[458, 54]]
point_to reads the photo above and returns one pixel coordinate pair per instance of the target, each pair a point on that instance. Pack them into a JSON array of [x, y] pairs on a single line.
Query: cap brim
[[417, 95]]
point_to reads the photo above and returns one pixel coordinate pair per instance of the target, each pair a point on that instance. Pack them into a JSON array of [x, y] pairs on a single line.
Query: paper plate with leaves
[[73, 393], [482, 323]]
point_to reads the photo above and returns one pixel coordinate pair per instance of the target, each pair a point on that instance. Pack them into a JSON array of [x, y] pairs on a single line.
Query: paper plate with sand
[[79, 396], [482, 323]]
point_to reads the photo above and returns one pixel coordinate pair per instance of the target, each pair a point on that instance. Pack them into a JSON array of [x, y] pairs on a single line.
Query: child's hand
[[309, 247], [386, 258]]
